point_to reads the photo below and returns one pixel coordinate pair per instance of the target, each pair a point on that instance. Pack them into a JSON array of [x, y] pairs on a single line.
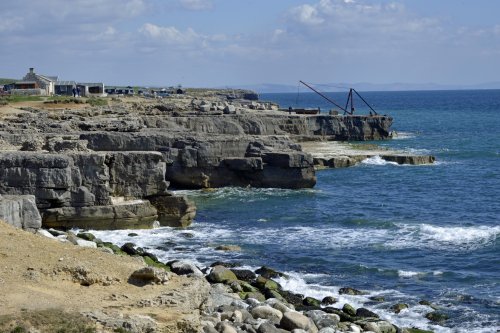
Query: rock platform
[[76, 161], [343, 155]]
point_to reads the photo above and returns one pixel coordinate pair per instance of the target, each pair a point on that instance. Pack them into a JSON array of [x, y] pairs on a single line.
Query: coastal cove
[[408, 233]]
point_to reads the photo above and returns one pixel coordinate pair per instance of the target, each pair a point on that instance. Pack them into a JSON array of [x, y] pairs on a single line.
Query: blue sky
[[243, 42]]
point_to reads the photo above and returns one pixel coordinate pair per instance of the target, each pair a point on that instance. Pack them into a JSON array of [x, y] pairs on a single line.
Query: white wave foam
[[443, 238], [396, 135], [246, 194], [417, 151], [468, 237], [409, 274], [411, 317], [377, 160]]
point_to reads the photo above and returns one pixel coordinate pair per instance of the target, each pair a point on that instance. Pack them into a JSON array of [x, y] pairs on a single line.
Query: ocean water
[[407, 233]]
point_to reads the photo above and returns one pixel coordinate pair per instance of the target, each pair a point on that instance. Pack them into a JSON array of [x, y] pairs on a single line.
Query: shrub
[[93, 101]]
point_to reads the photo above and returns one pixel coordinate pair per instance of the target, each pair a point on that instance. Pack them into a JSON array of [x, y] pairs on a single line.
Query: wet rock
[[365, 313], [225, 264], [244, 274], [377, 298], [437, 317], [266, 284], [274, 294], [86, 236], [344, 317], [397, 308], [132, 250], [220, 274], [415, 330], [269, 273], [292, 298], [427, 303], [311, 301], [329, 300], [228, 248], [350, 291], [410, 159], [347, 308], [245, 286]]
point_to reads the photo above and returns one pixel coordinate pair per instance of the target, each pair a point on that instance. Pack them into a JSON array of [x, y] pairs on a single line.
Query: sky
[[217, 43]]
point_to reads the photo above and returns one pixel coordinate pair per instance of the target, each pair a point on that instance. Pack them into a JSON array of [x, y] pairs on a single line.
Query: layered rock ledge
[[80, 161]]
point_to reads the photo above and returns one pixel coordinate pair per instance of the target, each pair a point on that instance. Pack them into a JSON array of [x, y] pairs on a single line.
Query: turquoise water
[[405, 232]]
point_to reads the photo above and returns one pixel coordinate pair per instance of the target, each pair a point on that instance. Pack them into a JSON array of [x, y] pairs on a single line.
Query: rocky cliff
[[110, 167]]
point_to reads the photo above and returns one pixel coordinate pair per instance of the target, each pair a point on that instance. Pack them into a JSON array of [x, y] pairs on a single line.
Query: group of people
[[76, 91]]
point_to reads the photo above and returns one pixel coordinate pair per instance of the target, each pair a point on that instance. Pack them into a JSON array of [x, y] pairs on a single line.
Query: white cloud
[[348, 23], [10, 23], [197, 4], [306, 14], [170, 35]]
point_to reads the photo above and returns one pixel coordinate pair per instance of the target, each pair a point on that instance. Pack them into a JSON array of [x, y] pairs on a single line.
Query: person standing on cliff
[[74, 92], [78, 91]]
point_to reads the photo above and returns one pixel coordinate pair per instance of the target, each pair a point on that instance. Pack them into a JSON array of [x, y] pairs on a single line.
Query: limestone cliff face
[[77, 189], [111, 167], [327, 127]]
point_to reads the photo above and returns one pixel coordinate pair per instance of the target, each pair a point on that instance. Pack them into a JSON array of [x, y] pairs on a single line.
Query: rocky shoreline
[[227, 298]]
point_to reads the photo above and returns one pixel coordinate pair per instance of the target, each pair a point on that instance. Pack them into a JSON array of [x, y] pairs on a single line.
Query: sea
[[405, 233]]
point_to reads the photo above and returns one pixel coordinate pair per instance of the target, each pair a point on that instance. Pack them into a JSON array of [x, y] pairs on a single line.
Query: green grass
[[93, 101], [21, 98]]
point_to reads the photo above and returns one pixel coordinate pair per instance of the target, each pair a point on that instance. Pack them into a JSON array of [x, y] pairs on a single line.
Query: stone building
[[35, 84]]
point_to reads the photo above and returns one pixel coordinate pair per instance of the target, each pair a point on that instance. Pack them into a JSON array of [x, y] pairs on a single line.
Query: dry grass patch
[[46, 321]]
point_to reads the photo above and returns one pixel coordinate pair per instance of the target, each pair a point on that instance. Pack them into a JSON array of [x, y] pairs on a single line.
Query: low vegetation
[[51, 320], [64, 100], [94, 101], [21, 98]]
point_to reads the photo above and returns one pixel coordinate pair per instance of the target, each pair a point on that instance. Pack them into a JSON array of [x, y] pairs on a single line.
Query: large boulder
[[174, 211], [220, 274], [295, 320], [266, 312], [134, 214], [20, 211], [149, 275]]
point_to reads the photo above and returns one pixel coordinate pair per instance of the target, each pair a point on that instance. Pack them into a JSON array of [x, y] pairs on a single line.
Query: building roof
[[65, 83], [90, 83], [47, 78]]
